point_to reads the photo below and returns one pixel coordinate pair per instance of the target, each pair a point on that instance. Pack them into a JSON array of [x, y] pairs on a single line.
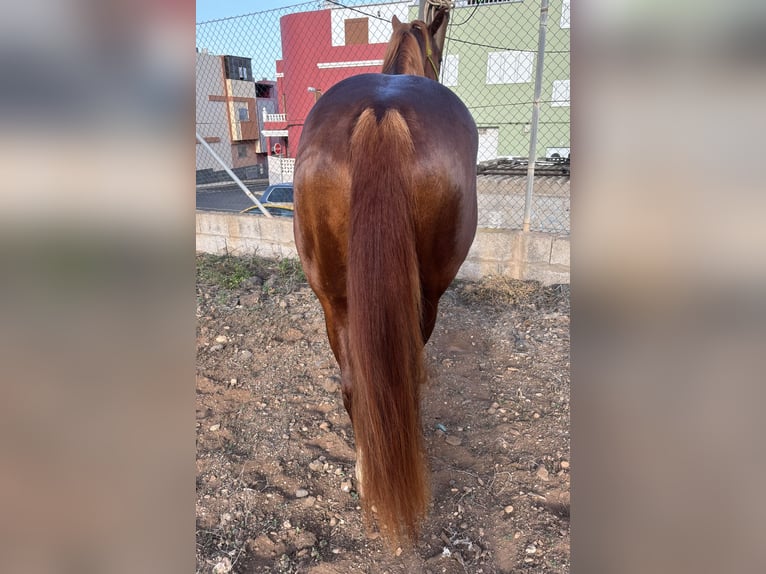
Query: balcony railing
[[274, 117]]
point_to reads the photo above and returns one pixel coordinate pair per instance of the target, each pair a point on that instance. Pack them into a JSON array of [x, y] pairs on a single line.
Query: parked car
[[277, 199]]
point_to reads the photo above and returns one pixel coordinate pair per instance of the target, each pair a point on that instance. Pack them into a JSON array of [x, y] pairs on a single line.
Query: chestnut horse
[[385, 212]]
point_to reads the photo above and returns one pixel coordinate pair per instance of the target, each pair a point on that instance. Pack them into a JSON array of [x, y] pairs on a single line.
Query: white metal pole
[[233, 176], [535, 115]]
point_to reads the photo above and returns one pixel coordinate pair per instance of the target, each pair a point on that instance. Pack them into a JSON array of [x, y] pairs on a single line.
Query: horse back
[[443, 172]]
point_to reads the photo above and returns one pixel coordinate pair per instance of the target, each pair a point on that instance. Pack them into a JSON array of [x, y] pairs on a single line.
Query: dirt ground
[[276, 490]]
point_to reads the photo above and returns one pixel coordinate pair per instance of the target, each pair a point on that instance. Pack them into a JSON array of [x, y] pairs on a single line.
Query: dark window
[[243, 114], [281, 195], [238, 68], [262, 90], [356, 31], [241, 150]]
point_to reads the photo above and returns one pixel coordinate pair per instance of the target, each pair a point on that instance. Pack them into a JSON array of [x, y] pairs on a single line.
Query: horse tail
[[384, 326]]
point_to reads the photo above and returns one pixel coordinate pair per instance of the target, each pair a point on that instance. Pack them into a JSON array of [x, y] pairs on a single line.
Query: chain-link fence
[[259, 74]]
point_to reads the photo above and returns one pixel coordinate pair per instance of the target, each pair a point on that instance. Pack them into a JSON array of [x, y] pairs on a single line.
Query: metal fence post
[[535, 115], [232, 175]]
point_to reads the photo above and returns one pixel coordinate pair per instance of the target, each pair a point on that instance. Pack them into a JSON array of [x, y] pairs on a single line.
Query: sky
[[213, 9], [256, 37]]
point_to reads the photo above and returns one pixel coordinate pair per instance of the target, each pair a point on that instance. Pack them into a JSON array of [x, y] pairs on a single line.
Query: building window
[[560, 94], [357, 31], [243, 114], [262, 90], [241, 150], [512, 67], [449, 69], [564, 23], [238, 68]]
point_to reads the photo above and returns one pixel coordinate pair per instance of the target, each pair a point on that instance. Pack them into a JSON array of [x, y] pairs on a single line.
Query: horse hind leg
[[429, 311], [358, 471], [336, 333]]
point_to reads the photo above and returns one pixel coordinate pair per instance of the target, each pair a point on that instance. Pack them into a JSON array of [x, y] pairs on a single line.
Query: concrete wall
[[513, 253], [540, 256]]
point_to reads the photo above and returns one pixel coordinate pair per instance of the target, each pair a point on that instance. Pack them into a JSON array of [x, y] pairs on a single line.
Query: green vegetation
[[231, 272]]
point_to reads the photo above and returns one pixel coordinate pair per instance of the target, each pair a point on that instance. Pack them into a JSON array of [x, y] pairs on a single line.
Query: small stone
[[316, 465], [508, 509], [292, 335], [232, 382], [338, 471], [252, 282], [215, 427], [463, 525], [251, 299], [221, 339], [309, 501], [301, 493], [324, 426], [564, 464], [304, 540], [542, 472], [223, 566], [286, 525], [336, 550], [330, 385], [529, 560], [491, 411], [270, 282], [531, 549], [398, 551], [453, 440], [333, 521], [536, 416], [345, 486], [495, 406], [216, 348], [246, 355]]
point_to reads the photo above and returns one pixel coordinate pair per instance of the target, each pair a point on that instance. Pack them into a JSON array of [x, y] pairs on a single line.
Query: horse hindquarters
[[384, 332]]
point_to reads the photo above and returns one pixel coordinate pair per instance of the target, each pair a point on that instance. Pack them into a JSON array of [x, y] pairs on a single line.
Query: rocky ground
[[275, 460]]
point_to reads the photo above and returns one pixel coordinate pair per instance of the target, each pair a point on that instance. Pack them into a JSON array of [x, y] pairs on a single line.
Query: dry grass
[[496, 290]]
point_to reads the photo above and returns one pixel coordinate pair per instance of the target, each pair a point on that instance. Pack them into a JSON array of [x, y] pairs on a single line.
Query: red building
[[319, 49]]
